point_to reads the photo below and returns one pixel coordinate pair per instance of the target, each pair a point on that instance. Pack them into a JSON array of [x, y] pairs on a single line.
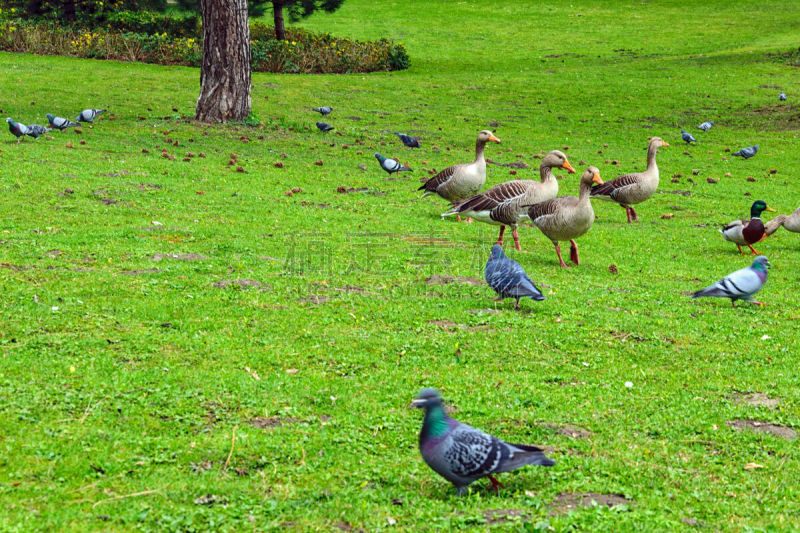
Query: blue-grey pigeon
[[390, 165], [88, 115], [408, 140], [324, 126], [322, 110], [60, 123], [17, 129], [462, 454], [782, 97], [705, 126], [688, 137], [740, 285], [748, 152], [508, 278], [35, 130]]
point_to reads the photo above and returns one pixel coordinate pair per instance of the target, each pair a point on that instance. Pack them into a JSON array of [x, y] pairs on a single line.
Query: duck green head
[[758, 207]]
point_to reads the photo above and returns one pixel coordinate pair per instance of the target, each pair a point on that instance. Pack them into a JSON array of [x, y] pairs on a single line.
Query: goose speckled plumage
[[740, 285], [747, 232], [789, 222], [458, 182], [634, 188], [502, 205], [566, 218], [462, 454], [508, 279]]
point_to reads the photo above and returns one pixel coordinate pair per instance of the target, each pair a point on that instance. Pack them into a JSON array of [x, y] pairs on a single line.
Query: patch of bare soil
[[682, 193], [241, 283], [180, 257], [315, 299], [352, 289], [54, 253], [513, 164], [758, 399], [16, 268], [568, 430], [569, 501], [764, 427], [444, 280], [502, 516], [449, 325], [140, 272], [275, 421], [372, 192], [486, 311]]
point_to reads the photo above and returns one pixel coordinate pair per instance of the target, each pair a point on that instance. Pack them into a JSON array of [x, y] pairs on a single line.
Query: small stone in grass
[[565, 148], [712, 180], [612, 268], [675, 180], [200, 193], [668, 215], [512, 172], [83, 141], [751, 179], [233, 156], [599, 151], [345, 147], [614, 162], [581, 162], [239, 169], [686, 153], [773, 171], [189, 154], [695, 172], [359, 153], [318, 163], [608, 161], [629, 384], [145, 151], [747, 194], [187, 159], [231, 162], [292, 371], [297, 190], [677, 175], [201, 154], [362, 166], [605, 145], [728, 174], [78, 131], [278, 164]]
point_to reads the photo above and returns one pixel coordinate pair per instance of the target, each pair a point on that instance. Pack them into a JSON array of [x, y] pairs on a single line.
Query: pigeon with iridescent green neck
[[390, 165], [17, 129], [88, 115], [60, 123], [740, 285], [462, 454]]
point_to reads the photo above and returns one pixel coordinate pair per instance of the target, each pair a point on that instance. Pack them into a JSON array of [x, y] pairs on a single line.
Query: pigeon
[[782, 97], [508, 278], [35, 130], [408, 140], [322, 110], [19, 130], [88, 115], [462, 454], [390, 165], [59, 123], [688, 137], [740, 285], [705, 126], [748, 152], [324, 126]]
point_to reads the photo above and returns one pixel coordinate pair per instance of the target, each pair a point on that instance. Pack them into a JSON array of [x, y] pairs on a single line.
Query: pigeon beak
[[568, 167], [769, 209], [494, 139], [416, 403], [596, 179]]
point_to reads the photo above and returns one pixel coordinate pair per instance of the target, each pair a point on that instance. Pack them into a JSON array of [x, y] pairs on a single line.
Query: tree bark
[[277, 17], [225, 72]]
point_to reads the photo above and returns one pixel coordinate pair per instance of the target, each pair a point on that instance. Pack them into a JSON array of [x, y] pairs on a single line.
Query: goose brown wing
[[435, 182], [544, 208], [493, 197], [610, 188]]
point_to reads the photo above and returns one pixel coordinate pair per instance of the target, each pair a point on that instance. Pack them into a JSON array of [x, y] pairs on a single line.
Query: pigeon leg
[[573, 252], [496, 485], [754, 251], [740, 249], [628, 212], [516, 307], [496, 299], [635, 216], [500, 237], [561, 261], [516, 239], [733, 303]]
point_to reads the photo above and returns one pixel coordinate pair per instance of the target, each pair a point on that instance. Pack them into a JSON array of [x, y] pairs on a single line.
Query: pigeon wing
[[742, 284], [473, 453]]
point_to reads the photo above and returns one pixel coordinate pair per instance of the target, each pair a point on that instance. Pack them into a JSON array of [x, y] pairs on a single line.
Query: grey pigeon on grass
[[705, 126], [508, 278], [688, 137], [782, 97], [740, 285], [462, 454], [60, 123], [324, 126], [17, 129], [322, 110], [35, 130], [390, 165], [88, 115], [748, 152], [408, 140]]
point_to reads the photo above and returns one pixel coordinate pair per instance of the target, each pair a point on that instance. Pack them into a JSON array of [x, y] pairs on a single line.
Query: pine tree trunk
[[225, 72], [277, 17]]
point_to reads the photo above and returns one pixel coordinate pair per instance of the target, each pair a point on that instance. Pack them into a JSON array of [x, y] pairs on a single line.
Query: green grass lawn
[[185, 347]]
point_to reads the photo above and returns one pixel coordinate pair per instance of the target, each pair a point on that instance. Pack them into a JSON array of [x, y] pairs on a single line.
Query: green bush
[[151, 22]]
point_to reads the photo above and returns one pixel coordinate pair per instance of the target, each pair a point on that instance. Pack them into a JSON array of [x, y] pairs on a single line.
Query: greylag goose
[[461, 181], [790, 222], [633, 188], [566, 218], [747, 232], [502, 205]]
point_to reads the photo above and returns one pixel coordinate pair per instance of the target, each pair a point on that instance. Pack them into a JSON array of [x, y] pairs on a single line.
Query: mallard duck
[[633, 188], [790, 222], [458, 182], [747, 231], [502, 205], [566, 218]]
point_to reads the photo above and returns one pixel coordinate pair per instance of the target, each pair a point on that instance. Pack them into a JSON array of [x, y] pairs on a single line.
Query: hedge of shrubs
[[156, 38]]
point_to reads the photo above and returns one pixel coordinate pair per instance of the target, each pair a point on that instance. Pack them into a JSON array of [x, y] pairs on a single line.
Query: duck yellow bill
[[596, 179], [769, 209], [494, 139], [568, 167]]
